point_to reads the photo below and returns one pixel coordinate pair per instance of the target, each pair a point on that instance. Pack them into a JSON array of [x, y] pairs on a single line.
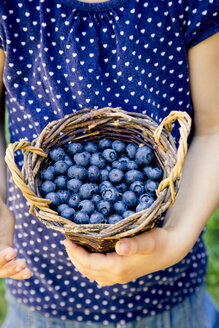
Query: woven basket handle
[[185, 126], [17, 175]]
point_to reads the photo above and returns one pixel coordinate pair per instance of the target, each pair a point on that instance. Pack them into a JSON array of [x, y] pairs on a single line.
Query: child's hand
[[162, 247], [134, 257], [10, 266]]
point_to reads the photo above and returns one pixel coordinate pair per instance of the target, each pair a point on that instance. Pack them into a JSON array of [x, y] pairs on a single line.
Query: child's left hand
[[160, 248], [134, 257]]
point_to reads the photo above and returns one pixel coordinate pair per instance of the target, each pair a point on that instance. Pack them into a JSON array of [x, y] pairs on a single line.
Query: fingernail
[[27, 273], [18, 268], [122, 248], [9, 257], [21, 265]]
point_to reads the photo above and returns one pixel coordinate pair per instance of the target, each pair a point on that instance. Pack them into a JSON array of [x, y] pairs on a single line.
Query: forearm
[[198, 195], [3, 184]]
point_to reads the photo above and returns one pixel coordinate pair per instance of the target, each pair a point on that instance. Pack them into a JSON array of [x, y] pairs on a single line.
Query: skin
[[197, 199], [10, 265]]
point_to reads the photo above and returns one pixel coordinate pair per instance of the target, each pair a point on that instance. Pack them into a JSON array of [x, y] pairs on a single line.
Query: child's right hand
[[10, 265]]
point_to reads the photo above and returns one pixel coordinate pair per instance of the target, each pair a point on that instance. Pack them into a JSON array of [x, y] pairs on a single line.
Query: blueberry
[[137, 187], [97, 218], [120, 207], [91, 147], [68, 213], [68, 160], [108, 167], [119, 165], [132, 165], [96, 198], [104, 144], [110, 194], [142, 206], [86, 206], [146, 198], [82, 158], [54, 199], [122, 187], [109, 155], [47, 174], [81, 218], [64, 196], [93, 173], [124, 159], [104, 175], [77, 172], [47, 187], [98, 160], [131, 150], [153, 172], [61, 207], [104, 207], [127, 213], [61, 182], [94, 187], [60, 167], [114, 218], [104, 185], [74, 200], [116, 176], [51, 168], [151, 186], [144, 155], [57, 154], [129, 198], [133, 175], [74, 148], [74, 185], [87, 190], [119, 146]]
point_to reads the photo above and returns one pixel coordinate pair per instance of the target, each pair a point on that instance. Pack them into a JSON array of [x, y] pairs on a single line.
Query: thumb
[[6, 254], [144, 243]]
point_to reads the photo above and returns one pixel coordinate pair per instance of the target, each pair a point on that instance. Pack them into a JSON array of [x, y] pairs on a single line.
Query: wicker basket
[[93, 125]]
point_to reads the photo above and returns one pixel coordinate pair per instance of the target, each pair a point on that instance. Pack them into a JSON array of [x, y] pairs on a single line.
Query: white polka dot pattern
[[66, 55]]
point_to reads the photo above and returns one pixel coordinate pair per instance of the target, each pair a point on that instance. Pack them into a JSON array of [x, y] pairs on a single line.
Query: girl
[[145, 56]]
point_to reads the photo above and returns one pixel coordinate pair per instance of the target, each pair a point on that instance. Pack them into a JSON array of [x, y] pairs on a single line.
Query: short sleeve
[[202, 21]]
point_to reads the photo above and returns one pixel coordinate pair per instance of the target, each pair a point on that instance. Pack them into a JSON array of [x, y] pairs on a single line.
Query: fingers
[[78, 253], [100, 277], [23, 274], [7, 254], [145, 243], [94, 266], [10, 267]]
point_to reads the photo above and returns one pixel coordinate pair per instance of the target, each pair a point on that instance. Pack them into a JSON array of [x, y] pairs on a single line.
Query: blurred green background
[[212, 242]]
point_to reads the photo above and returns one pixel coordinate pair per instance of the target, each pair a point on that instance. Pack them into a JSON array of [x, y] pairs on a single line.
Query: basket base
[[103, 245], [94, 245]]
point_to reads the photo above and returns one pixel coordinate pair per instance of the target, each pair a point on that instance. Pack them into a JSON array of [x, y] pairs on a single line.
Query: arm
[[2, 129], [10, 266], [197, 198], [201, 172]]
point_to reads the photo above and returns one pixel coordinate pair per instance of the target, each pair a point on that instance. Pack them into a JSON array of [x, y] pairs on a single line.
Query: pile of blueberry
[[100, 182]]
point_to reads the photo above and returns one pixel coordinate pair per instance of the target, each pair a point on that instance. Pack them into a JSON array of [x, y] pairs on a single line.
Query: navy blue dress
[[62, 56]]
